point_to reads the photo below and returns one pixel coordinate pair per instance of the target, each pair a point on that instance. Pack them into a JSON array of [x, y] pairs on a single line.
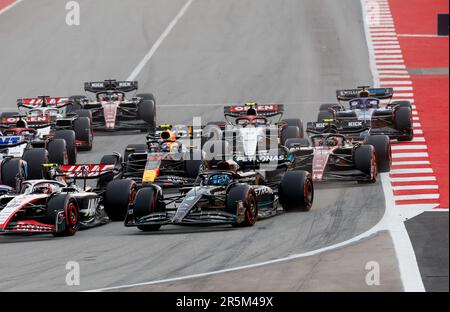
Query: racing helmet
[[43, 188], [166, 147], [219, 180], [331, 141]]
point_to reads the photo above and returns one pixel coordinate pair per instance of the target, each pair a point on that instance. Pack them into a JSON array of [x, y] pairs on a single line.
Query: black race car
[[224, 195], [365, 113], [111, 110]]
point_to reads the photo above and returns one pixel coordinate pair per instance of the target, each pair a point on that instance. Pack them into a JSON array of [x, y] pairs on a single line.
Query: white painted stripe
[[402, 95], [386, 71], [396, 147], [400, 61], [391, 66], [417, 125], [416, 118], [414, 112], [418, 139], [421, 35], [415, 187], [395, 76], [396, 82], [395, 46], [158, 42], [412, 170], [375, 29], [385, 42], [10, 6], [382, 34], [407, 163], [403, 88], [383, 51], [413, 179], [418, 196], [378, 39], [418, 131]]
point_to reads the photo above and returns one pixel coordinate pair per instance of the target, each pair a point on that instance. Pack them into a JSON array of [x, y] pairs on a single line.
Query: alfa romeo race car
[[221, 196], [60, 206], [365, 113], [111, 110], [163, 160], [333, 156]]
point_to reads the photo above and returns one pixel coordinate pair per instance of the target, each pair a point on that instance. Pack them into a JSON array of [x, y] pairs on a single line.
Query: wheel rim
[[374, 169], [251, 211], [73, 216], [308, 193]]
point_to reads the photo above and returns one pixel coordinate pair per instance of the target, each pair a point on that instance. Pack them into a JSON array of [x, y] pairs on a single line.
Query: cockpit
[[255, 121], [364, 103], [330, 140], [45, 187], [110, 96]]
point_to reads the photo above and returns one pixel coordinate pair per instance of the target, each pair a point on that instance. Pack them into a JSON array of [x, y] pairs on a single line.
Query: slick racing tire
[[71, 146], [83, 132], [289, 132], [35, 158], [366, 161], [403, 122], [323, 115], [295, 122], [134, 148], [71, 211], [84, 113], [402, 104], [290, 143], [147, 109], [118, 196], [57, 152], [13, 170], [296, 191], [382, 145], [146, 202], [242, 193]]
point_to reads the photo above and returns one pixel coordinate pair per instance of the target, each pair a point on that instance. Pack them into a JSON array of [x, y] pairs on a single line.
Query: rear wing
[[30, 120], [379, 93], [111, 85], [43, 101], [85, 171], [337, 126], [267, 110]]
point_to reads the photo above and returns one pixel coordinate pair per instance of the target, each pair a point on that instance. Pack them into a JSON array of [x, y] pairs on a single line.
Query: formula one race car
[[58, 206], [221, 196], [163, 160], [366, 114], [111, 110], [332, 156]]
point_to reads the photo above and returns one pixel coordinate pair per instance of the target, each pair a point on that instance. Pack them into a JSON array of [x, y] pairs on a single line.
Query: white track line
[[10, 6], [158, 42], [416, 187], [413, 179]]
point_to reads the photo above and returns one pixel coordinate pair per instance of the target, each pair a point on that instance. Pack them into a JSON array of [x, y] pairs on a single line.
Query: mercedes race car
[[333, 156], [221, 196], [111, 110], [366, 115], [59, 205]]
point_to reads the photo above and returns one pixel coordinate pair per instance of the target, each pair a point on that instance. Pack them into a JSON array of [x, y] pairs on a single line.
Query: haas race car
[[60, 206], [112, 110], [366, 114], [221, 196]]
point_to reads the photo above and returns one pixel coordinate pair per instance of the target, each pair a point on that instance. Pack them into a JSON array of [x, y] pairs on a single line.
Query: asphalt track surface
[[288, 51]]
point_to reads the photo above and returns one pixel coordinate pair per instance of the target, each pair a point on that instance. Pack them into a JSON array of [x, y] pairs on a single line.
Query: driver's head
[[364, 94], [219, 180], [45, 188], [332, 141]]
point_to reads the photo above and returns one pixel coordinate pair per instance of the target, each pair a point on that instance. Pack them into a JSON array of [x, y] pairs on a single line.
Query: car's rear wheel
[[71, 145], [242, 194], [12, 171], [108, 177], [57, 152], [84, 132], [134, 148], [366, 161], [290, 132], [327, 107], [35, 158], [324, 115], [147, 109], [295, 122], [76, 103], [403, 122], [119, 195], [296, 191], [297, 142]]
